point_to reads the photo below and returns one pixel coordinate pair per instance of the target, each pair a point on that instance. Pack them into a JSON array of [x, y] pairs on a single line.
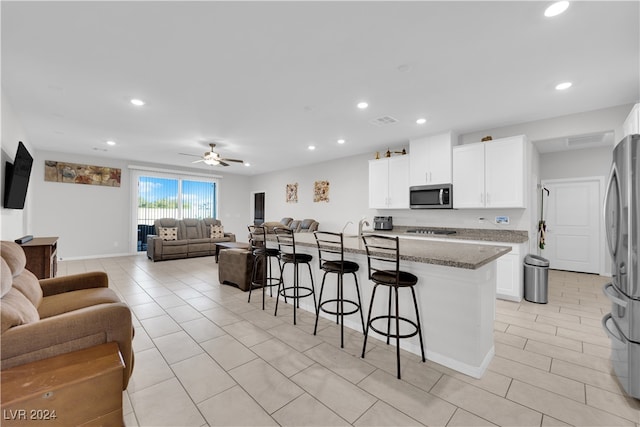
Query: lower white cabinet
[[510, 275]]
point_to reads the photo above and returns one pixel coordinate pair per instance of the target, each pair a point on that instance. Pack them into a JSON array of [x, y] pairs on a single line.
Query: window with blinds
[[162, 197]]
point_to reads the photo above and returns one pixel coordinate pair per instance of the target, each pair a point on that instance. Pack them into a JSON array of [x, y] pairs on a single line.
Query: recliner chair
[[40, 319]]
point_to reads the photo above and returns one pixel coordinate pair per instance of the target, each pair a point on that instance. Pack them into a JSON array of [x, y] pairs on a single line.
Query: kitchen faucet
[[346, 225], [362, 222]]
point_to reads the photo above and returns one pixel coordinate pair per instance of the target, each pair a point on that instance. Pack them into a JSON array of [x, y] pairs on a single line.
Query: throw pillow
[[217, 232], [168, 233]]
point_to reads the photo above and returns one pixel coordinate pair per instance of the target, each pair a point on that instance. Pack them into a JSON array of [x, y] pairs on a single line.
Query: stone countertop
[[479, 234], [449, 254]]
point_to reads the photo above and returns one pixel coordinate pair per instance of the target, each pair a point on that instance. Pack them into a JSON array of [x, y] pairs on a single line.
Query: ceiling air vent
[[581, 140], [384, 121]]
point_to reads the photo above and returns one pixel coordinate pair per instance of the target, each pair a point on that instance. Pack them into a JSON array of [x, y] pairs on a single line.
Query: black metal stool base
[[337, 312], [397, 334]]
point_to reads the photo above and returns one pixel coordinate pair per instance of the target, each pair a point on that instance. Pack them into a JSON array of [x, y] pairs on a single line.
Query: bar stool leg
[[296, 293], [366, 332], [395, 288], [280, 283], [341, 303], [315, 328], [389, 316], [265, 258], [359, 301], [415, 304]]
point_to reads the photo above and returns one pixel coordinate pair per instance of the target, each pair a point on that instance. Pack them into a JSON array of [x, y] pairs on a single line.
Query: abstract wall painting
[[81, 174], [292, 193], [321, 191]]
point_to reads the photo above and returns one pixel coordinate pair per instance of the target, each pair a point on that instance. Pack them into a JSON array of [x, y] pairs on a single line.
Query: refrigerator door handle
[[613, 180], [606, 289], [611, 333]]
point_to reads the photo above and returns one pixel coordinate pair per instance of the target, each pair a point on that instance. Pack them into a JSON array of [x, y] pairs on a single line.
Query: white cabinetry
[[509, 274], [631, 125], [490, 174], [430, 161], [389, 183]]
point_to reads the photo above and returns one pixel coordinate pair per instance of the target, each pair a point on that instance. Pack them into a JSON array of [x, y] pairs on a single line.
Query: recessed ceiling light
[[362, 105], [341, 141], [311, 147], [111, 143], [247, 164], [563, 86], [421, 121], [556, 8], [137, 102]]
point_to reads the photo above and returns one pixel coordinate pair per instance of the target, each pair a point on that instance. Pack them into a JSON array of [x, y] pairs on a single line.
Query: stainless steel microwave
[[431, 196]]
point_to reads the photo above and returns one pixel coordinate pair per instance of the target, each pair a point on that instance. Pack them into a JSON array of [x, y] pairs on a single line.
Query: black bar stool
[[383, 259], [331, 260], [288, 255], [262, 257]]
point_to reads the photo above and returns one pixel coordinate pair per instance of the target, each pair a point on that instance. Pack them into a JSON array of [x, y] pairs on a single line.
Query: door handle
[[614, 298], [613, 336]]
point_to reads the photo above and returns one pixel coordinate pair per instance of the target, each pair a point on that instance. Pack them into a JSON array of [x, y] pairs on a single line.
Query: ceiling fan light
[[212, 162]]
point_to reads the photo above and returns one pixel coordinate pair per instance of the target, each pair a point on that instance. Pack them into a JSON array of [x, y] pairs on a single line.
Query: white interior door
[[573, 217]]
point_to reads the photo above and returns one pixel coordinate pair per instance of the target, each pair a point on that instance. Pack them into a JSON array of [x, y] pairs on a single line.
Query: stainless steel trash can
[[536, 279]]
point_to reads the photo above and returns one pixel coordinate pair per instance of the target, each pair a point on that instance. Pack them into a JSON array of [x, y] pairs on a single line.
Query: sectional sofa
[[185, 238]]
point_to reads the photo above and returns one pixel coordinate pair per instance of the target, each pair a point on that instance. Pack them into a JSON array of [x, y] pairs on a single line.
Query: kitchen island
[[456, 294]]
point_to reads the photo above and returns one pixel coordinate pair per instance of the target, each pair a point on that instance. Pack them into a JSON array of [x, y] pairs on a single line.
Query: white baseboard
[[82, 258]]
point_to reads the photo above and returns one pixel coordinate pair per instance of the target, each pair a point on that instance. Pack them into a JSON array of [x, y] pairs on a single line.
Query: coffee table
[[229, 245]]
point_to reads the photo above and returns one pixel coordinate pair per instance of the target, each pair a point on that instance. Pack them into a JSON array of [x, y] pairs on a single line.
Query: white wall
[[14, 221], [606, 119], [576, 163], [349, 180], [349, 200], [93, 221], [348, 193]]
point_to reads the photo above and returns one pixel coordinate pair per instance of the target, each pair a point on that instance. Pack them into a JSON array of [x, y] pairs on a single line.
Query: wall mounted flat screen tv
[[16, 178]]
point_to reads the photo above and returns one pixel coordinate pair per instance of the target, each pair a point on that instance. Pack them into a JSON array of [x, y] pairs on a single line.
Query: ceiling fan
[[212, 158]]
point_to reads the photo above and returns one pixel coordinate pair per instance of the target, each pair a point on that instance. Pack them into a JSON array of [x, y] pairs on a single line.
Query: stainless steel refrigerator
[[622, 222]]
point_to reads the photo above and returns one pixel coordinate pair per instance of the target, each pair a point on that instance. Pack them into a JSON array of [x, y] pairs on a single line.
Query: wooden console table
[[42, 256], [83, 387]]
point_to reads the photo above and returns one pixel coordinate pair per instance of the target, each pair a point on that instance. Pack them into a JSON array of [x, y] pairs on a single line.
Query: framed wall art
[[321, 191], [292, 193], [81, 174]]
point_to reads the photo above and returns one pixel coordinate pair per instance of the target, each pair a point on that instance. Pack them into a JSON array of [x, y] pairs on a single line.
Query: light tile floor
[[204, 356]]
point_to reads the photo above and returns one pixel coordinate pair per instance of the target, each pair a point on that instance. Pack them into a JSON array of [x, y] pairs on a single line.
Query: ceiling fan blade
[[233, 160], [198, 161], [187, 154], [223, 163]]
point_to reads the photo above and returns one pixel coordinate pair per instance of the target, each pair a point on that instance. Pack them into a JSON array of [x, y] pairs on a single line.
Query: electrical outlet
[[504, 220]]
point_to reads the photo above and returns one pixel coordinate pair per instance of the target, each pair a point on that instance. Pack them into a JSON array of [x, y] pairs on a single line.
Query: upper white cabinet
[[490, 174], [389, 183], [631, 125], [430, 161]]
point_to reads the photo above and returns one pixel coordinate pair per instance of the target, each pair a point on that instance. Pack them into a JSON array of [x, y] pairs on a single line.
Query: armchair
[[45, 318]]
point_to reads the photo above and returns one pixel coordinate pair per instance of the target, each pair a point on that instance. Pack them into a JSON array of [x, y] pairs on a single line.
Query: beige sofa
[[296, 225], [45, 318], [192, 238]]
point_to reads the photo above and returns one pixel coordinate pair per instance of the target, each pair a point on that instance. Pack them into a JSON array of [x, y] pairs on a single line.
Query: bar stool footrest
[[283, 292], [337, 312], [395, 335]]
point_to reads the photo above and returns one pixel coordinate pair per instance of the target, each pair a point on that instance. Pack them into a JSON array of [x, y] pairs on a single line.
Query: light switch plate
[[504, 220]]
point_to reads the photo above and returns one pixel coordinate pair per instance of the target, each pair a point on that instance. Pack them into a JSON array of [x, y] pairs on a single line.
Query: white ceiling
[[266, 79]]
